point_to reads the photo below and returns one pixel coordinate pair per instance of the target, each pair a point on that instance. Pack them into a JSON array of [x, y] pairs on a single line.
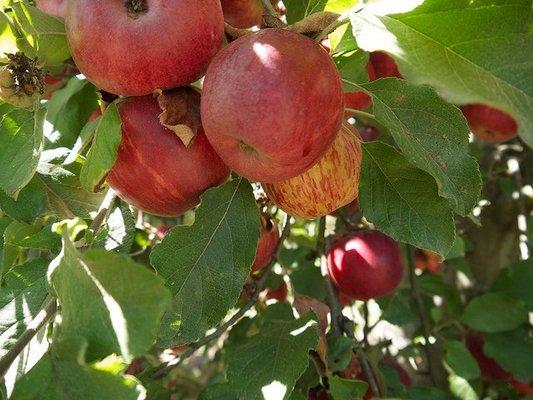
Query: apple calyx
[[136, 7], [180, 112], [21, 81]]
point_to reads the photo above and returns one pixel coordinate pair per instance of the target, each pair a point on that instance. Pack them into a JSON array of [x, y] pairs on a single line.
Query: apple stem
[[136, 7]]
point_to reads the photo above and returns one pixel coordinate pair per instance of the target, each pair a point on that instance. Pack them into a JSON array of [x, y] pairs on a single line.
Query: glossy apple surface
[[267, 244], [162, 45], [330, 184], [272, 104], [154, 170], [242, 13], [489, 124], [365, 265]]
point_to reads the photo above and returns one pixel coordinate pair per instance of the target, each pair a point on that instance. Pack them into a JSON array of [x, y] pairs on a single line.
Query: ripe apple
[[365, 265], [330, 184], [384, 65], [52, 7], [154, 170], [490, 369], [133, 47], [279, 294], [522, 387], [272, 104], [489, 124], [369, 133], [267, 244], [242, 13], [428, 260], [360, 100]]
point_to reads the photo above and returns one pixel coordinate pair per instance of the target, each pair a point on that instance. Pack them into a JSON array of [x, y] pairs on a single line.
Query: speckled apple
[[365, 265], [272, 104], [330, 184], [133, 47], [154, 170]]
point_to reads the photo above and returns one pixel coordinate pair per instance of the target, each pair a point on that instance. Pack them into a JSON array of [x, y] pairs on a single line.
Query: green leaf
[[63, 374], [340, 351], [513, 351], [120, 230], [21, 140], [352, 67], [426, 393], [113, 302], [103, 153], [14, 233], [460, 387], [346, 389], [457, 48], [68, 111], [494, 312], [299, 9], [306, 278], [271, 361], [8, 37], [432, 135], [403, 201], [218, 391], [30, 203], [398, 308], [515, 281], [22, 294], [206, 265], [41, 237], [460, 360], [45, 34]]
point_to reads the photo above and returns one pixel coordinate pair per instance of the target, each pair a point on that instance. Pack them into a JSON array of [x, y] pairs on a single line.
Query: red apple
[[53, 7], [369, 133], [242, 13], [154, 170], [365, 265], [360, 100], [345, 300], [522, 387], [327, 186], [132, 47], [267, 244], [384, 65], [490, 124], [349, 209], [272, 104], [279, 294], [428, 260], [490, 369]]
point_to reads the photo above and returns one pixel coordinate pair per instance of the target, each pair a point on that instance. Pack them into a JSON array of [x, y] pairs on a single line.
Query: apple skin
[[489, 124], [330, 184], [369, 133], [169, 45], [242, 13], [154, 170], [384, 65], [360, 100], [272, 104], [428, 260], [490, 369], [522, 387], [365, 265], [279, 294], [267, 244], [52, 7]]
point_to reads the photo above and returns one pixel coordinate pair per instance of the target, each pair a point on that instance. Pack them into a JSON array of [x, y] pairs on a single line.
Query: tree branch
[[40, 320], [342, 20], [269, 9], [169, 365]]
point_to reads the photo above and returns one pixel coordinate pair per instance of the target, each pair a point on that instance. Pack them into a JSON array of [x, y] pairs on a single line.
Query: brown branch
[[40, 320], [103, 212], [164, 368]]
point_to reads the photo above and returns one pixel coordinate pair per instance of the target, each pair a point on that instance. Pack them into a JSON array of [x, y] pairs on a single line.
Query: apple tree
[[256, 199]]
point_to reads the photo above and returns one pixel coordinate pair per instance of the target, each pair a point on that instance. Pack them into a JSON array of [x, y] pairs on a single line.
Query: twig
[[103, 211], [267, 5], [426, 327], [169, 365], [342, 20], [367, 327], [40, 320]]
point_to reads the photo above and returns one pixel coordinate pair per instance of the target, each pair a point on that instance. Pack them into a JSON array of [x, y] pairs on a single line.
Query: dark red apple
[[490, 369], [267, 244], [384, 65], [489, 124], [365, 265], [369, 133], [133, 47], [279, 294], [330, 184], [272, 104], [53, 7], [154, 170], [242, 13], [522, 387]]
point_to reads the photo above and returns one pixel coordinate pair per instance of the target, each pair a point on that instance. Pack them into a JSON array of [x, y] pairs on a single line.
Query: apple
[[327, 186], [242, 13], [21, 81], [384, 65], [522, 387], [154, 170], [267, 244], [490, 369], [365, 265], [369, 133], [428, 260], [133, 47], [272, 104], [489, 124], [52, 7], [360, 100], [279, 294]]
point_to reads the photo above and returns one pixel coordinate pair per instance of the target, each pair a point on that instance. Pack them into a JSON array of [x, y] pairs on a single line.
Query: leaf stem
[[342, 20], [269, 9], [103, 211], [40, 320], [164, 368], [360, 113]]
